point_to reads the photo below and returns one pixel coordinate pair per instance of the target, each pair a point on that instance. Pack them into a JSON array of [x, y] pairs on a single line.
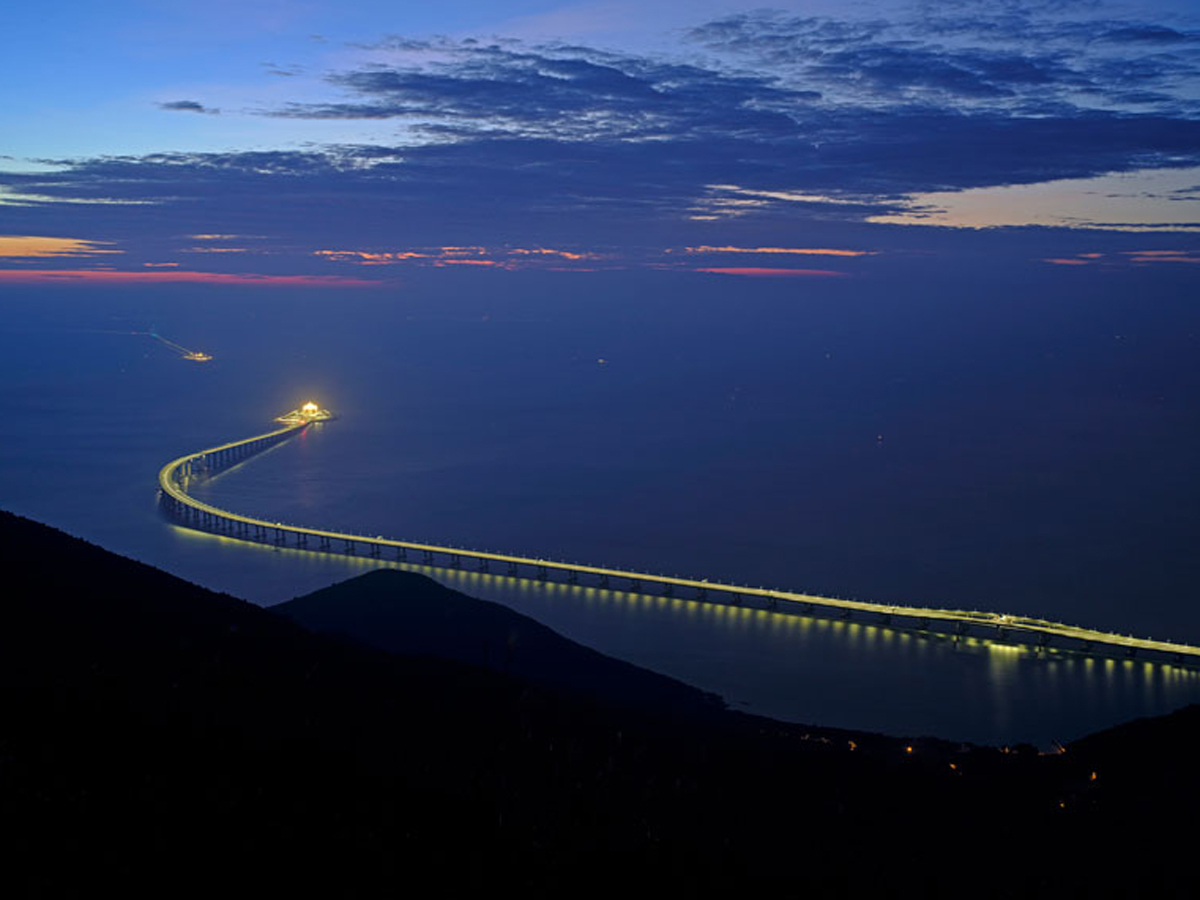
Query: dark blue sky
[[317, 144]]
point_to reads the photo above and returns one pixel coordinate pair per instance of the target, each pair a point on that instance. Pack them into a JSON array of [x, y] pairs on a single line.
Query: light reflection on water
[[810, 669], [1013, 478]]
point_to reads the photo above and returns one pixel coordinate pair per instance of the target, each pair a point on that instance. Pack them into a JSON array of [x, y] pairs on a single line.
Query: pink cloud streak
[[110, 276], [759, 272]]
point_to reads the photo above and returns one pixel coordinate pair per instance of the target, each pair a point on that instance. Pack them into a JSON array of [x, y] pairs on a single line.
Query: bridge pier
[[401, 553], [572, 577], [483, 565], [668, 590], [427, 557], [349, 549], [324, 543], [512, 569], [375, 551], [455, 561], [701, 594], [635, 585], [603, 581], [541, 573]]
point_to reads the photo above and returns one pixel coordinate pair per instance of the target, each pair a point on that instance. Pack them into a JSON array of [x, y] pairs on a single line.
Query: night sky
[[324, 144]]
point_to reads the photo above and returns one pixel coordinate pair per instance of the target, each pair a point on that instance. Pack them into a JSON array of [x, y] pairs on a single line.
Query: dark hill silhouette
[[407, 613], [159, 738]]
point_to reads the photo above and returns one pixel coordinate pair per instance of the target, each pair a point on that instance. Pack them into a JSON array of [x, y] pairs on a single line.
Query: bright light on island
[[309, 412]]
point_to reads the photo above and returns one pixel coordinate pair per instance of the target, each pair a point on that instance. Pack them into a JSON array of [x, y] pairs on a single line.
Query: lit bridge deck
[[174, 477]]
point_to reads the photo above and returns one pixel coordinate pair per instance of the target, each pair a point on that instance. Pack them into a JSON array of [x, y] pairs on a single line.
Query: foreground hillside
[[409, 614], [159, 737]]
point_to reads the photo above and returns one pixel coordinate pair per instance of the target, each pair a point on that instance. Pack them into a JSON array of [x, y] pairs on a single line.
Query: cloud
[[507, 257], [562, 94], [111, 276], [1019, 57], [766, 134], [757, 272], [24, 246], [1128, 257], [787, 251], [188, 106]]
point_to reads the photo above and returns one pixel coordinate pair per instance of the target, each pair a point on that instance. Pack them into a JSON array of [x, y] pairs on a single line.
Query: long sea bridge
[[175, 477]]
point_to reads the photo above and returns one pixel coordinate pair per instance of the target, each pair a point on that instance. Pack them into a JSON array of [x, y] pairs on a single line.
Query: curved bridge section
[[175, 476]]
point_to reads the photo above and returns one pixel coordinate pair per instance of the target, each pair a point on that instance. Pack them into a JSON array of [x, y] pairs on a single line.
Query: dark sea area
[[981, 443]]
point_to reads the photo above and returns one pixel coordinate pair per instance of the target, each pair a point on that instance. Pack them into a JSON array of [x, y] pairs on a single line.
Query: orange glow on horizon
[[1125, 257], [759, 272], [30, 246], [793, 251], [111, 276]]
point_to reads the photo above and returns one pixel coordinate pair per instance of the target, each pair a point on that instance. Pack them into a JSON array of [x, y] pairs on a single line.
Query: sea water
[[1013, 455]]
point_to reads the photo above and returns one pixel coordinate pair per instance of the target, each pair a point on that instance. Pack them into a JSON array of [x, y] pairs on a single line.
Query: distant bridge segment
[[175, 477]]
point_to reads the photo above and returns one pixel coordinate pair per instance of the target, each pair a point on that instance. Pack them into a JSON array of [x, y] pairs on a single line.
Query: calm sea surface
[[1005, 453]]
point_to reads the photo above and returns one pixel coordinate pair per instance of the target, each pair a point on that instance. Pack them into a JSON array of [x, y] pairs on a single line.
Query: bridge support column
[[302, 540], [635, 585], [701, 594], [427, 557], [483, 565], [375, 551], [668, 590], [324, 544], [455, 561], [401, 553], [541, 573], [512, 569], [572, 577], [603, 581]]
